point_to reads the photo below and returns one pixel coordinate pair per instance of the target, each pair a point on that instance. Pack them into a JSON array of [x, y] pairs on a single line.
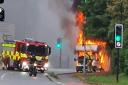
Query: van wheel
[[3, 68], [42, 71]]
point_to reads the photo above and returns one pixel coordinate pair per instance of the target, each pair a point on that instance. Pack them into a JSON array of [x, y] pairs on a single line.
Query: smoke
[[63, 9]]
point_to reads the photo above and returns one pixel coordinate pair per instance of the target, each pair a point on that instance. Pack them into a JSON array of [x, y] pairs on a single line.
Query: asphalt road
[[22, 78], [69, 79]]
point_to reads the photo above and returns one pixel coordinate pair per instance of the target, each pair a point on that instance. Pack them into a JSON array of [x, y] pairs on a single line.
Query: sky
[[44, 20]]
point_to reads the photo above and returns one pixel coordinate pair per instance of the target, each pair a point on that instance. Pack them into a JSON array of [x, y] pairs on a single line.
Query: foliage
[[97, 20], [118, 10], [101, 17], [108, 80]]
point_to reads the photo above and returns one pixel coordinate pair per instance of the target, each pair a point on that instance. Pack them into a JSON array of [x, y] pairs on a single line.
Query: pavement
[[69, 79], [61, 71], [65, 77]]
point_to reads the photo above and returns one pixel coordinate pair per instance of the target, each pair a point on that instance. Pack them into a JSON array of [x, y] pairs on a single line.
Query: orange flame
[[101, 53], [80, 38], [95, 42], [79, 23], [80, 18]]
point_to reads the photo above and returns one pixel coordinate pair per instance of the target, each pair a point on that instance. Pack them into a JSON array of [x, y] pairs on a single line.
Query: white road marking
[[2, 76]]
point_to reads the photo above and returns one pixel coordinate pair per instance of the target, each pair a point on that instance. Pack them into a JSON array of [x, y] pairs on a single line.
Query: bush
[[126, 70]]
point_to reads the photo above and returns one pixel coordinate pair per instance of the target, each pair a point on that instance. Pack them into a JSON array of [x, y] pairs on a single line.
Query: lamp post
[[59, 46], [60, 56]]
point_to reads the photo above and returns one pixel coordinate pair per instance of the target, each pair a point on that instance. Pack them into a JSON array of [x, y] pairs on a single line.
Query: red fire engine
[[16, 54]]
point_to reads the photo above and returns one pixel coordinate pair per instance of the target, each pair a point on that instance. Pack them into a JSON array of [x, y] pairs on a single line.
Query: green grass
[[107, 80], [102, 79]]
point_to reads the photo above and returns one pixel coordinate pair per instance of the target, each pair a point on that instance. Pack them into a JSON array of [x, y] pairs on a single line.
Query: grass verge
[[103, 79]]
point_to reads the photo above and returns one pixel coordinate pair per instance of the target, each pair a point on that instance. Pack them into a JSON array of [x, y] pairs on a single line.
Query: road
[[66, 77], [69, 79], [22, 78]]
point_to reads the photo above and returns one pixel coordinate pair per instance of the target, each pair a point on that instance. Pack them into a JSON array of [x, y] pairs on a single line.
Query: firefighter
[[32, 66], [94, 65], [32, 59]]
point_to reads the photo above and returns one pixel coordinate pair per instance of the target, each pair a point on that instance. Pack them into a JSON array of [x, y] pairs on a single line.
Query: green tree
[[118, 10], [97, 20], [102, 15]]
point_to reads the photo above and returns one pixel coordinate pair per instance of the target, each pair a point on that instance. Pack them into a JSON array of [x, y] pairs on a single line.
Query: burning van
[[89, 51]]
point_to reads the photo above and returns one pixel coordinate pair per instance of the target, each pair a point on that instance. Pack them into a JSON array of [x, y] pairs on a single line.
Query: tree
[[118, 10], [97, 20], [101, 16]]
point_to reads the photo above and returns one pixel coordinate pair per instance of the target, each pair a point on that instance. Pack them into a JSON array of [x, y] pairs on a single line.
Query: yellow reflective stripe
[[46, 57], [3, 52], [17, 53], [14, 57], [8, 45], [7, 52], [12, 53], [23, 55], [18, 57], [38, 57]]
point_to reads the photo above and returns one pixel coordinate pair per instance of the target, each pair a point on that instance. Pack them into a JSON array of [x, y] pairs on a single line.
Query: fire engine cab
[[16, 54]]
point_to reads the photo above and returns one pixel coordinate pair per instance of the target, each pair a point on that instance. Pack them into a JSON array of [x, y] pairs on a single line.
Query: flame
[[80, 18], [101, 54], [80, 38], [79, 23], [95, 42], [104, 59]]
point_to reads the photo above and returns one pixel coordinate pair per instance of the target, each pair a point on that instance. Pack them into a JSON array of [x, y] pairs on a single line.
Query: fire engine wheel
[[3, 68], [30, 74], [81, 71]]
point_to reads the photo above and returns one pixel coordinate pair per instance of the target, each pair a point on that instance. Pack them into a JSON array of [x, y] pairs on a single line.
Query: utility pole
[[118, 49], [68, 60], [60, 56]]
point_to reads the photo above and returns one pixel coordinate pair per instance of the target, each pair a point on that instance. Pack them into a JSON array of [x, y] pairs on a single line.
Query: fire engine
[[16, 54]]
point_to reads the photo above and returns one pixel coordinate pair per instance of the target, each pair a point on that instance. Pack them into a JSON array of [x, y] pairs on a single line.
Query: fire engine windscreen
[[36, 50]]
